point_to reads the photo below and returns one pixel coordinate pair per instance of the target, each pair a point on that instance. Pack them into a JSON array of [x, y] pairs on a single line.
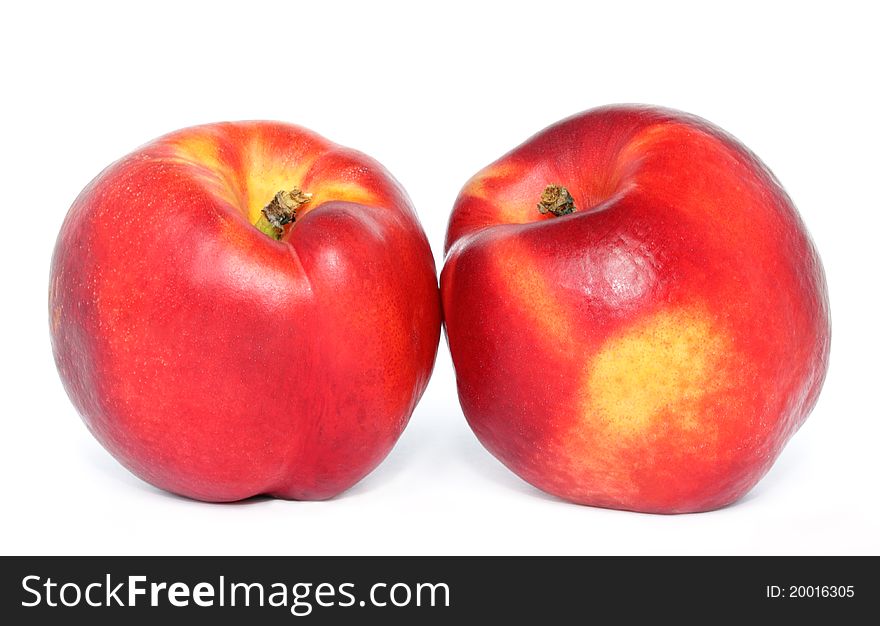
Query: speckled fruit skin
[[217, 363], [653, 351]]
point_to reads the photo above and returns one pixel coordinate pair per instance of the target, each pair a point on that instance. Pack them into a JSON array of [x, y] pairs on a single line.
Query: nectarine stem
[[555, 199], [281, 211]]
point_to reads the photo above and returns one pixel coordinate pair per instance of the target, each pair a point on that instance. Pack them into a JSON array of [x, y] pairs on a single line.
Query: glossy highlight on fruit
[[637, 316], [244, 308]]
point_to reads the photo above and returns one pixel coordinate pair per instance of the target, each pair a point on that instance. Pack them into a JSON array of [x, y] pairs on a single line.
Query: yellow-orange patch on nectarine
[[267, 174], [534, 290], [662, 367], [344, 191], [200, 149], [484, 185]]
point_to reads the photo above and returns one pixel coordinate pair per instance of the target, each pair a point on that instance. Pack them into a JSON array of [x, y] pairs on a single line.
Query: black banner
[[406, 590]]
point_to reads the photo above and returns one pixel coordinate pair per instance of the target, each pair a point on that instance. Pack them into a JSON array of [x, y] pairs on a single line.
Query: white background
[[434, 93]]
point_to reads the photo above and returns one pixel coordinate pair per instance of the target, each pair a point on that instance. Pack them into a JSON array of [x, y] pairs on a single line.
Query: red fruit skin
[[655, 350], [217, 363]]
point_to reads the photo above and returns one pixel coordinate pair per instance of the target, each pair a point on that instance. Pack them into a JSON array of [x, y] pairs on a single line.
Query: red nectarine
[[218, 361], [636, 314]]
